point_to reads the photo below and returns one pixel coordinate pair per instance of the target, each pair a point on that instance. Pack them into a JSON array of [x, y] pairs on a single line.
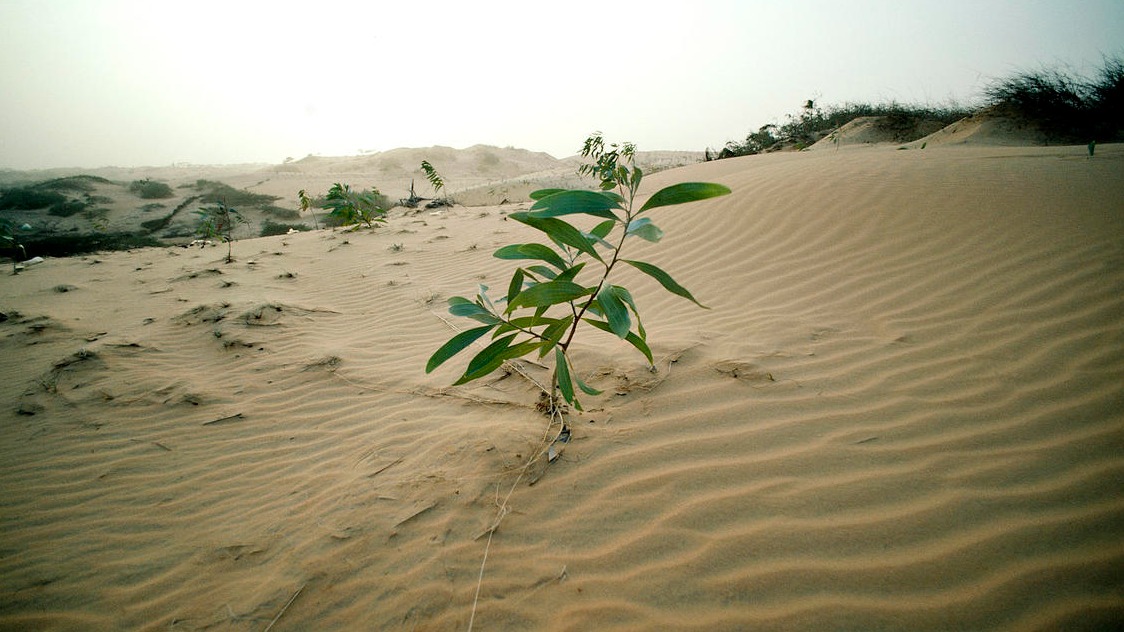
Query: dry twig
[[285, 607]]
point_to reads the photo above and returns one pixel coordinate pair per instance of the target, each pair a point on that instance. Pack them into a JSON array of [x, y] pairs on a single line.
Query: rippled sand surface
[[903, 411]]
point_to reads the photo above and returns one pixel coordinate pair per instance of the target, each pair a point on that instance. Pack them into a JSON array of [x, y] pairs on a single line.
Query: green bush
[[216, 192], [219, 221], [29, 199], [154, 225], [80, 184], [83, 243], [149, 189], [280, 213], [67, 208], [269, 228], [349, 207], [10, 243]]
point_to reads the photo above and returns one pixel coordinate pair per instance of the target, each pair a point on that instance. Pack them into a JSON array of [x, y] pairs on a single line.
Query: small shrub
[[904, 122], [67, 208], [154, 225], [1065, 107], [219, 221], [78, 184], [544, 305], [149, 189], [349, 208], [280, 213], [269, 228], [437, 182], [97, 217], [29, 199], [218, 192], [306, 206], [177, 232], [10, 243], [84, 243]]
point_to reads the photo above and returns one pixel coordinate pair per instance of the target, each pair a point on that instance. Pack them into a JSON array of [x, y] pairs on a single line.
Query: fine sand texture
[[904, 410]]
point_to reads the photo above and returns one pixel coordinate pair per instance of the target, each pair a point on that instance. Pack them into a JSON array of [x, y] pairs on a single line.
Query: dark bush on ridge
[[216, 192], [79, 244], [813, 123], [148, 189], [270, 228], [81, 184], [66, 208], [280, 213], [1066, 108], [29, 199]]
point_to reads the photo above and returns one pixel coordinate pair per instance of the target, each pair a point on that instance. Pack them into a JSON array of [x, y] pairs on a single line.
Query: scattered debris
[[223, 420]]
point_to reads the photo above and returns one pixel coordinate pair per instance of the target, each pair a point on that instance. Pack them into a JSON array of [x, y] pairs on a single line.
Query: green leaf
[[529, 322], [558, 230], [565, 384], [576, 201], [631, 338], [570, 273], [645, 229], [516, 284], [549, 293], [542, 271], [615, 311], [603, 229], [626, 296], [684, 192], [493, 356], [460, 306], [552, 335], [455, 345], [531, 251], [665, 280], [482, 298], [587, 389], [634, 182], [541, 193]]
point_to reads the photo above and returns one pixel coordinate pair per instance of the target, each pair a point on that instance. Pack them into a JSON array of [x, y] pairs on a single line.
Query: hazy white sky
[[112, 82]]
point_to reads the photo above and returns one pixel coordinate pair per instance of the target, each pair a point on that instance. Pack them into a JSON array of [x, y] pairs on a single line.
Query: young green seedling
[[436, 182], [546, 303], [218, 221], [8, 239], [306, 205], [352, 207]]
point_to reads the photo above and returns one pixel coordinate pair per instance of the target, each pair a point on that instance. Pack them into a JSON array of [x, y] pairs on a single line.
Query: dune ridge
[[902, 411]]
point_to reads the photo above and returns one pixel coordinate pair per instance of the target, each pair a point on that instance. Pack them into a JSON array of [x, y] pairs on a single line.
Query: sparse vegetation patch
[[149, 189], [902, 122], [215, 192], [1064, 106], [218, 221], [350, 208]]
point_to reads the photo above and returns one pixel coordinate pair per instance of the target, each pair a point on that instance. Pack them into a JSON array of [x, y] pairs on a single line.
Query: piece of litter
[[555, 449]]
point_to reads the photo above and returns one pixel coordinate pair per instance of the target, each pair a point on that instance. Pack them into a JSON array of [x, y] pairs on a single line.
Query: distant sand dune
[[903, 411]]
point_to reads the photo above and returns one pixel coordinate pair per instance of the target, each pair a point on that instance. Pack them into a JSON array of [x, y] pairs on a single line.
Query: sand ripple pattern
[[903, 412]]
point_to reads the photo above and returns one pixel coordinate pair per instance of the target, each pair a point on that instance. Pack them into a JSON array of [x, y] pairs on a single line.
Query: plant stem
[[565, 346]]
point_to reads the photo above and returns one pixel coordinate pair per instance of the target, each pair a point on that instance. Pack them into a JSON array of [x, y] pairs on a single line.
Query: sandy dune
[[903, 411]]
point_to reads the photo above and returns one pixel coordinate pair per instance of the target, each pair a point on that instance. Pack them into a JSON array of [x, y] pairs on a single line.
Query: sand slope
[[903, 411]]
